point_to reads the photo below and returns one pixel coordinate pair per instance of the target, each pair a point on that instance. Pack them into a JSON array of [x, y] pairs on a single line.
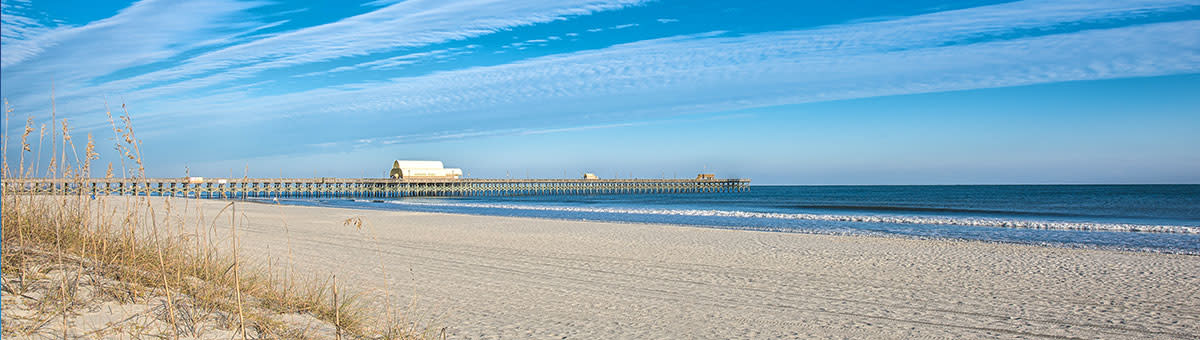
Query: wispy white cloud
[[471, 133], [396, 62], [666, 20], [18, 28], [153, 31], [717, 73], [615, 27], [700, 73], [475, 133], [405, 24], [72, 58]]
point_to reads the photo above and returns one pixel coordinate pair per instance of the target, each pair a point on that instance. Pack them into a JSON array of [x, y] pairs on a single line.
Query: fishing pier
[[326, 187]]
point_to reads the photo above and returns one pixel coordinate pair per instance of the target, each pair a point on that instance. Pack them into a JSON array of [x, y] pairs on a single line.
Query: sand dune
[[497, 277]]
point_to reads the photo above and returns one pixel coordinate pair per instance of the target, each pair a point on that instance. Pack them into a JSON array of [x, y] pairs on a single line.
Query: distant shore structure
[[402, 169]]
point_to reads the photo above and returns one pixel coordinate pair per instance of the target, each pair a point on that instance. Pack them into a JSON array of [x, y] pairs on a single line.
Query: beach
[[516, 277], [600, 169]]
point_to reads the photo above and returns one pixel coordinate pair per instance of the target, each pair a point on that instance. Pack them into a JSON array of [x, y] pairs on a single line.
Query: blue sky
[[787, 92]]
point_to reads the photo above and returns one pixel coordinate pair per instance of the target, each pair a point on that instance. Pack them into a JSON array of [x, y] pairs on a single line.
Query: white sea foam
[[936, 220]]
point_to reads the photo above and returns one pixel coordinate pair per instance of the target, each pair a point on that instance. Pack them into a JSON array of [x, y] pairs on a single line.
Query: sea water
[[1161, 218]]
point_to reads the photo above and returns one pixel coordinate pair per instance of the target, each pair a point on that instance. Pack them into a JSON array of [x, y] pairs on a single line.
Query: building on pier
[[422, 169]]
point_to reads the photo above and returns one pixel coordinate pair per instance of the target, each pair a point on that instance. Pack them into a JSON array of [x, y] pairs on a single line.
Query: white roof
[[430, 172], [417, 164]]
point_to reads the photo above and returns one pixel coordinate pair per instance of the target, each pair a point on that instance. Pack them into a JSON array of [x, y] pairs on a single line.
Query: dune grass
[[147, 252]]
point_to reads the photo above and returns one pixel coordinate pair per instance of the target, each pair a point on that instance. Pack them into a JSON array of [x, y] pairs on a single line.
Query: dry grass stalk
[[337, 311], [237, 276], [115, 243], [163, 272]]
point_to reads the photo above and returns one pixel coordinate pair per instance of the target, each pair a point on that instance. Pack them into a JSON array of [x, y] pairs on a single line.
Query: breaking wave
[[898, 219]]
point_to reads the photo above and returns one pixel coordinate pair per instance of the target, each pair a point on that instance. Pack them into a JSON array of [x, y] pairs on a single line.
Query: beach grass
[[132, 250]]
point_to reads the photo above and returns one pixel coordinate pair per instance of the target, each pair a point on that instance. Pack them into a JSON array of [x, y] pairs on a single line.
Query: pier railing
[[365, 187]]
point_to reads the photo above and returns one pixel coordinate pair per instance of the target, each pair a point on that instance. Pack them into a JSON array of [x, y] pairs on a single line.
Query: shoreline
[[492, 276], [1062, 245]]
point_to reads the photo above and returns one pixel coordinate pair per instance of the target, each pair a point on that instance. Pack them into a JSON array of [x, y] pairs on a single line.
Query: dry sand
[[104, 308], [500, 277]]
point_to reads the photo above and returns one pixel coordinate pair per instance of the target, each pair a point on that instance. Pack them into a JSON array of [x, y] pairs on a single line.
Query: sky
[[782, 92]]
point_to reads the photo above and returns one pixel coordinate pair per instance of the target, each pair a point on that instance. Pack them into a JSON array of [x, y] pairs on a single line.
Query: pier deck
[[365, 187]]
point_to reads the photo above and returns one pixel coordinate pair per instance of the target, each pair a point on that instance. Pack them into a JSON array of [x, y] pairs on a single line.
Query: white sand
[[31, 308], [498, 277]]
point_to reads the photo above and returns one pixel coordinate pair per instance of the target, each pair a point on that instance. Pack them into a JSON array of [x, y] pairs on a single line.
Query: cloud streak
[[149, 31], [405, 24], [17, 29], [73, 58], [719, 71]]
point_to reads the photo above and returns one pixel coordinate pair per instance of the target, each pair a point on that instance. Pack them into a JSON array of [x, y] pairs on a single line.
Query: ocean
[[1157, 218]]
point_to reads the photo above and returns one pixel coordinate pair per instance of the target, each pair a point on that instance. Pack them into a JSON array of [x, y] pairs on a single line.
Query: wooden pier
[[365, 187]]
